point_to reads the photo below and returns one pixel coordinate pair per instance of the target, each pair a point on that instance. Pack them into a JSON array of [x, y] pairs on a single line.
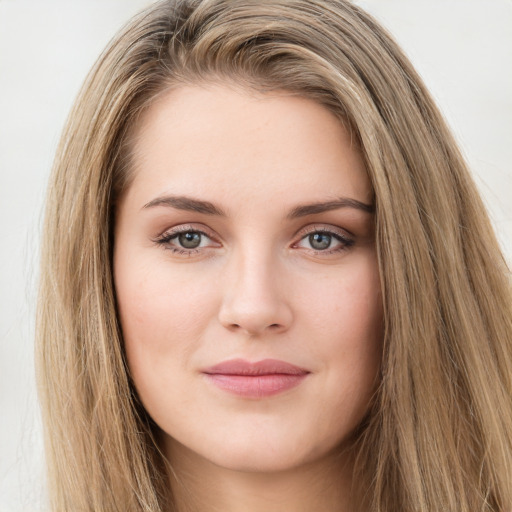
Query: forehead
[[234, 143]]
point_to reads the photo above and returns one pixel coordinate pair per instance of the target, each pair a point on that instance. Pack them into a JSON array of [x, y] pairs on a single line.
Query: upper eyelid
[[184, 228], [299, 234], [323, 228]]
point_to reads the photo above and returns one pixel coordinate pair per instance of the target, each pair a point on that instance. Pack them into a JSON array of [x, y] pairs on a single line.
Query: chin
[[258, 461], [265, 454]]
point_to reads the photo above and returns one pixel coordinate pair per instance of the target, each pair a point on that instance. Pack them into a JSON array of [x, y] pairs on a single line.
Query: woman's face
[[247, 279]]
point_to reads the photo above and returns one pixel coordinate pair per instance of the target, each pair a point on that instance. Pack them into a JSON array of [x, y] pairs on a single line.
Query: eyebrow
[[342, 202], [187, 204], [206, 207]]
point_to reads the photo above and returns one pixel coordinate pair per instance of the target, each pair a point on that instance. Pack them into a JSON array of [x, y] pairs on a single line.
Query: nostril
[[238, 327]]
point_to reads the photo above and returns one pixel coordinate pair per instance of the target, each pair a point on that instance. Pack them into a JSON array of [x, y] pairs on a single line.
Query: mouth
[[255, 380]]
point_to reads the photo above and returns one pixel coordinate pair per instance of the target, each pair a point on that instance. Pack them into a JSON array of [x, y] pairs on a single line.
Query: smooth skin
[[219, 255]]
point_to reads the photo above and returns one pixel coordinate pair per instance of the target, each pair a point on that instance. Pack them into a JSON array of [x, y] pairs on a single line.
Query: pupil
[[189, 240], [320, 241]]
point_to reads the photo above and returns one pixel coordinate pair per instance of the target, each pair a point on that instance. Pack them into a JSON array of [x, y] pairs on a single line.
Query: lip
[[258, 379]]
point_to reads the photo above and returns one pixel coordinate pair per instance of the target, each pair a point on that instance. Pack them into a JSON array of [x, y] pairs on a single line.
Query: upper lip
[[263, 367]]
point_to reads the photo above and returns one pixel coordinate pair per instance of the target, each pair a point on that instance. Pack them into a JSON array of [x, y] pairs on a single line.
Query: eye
[[325, 241], [185, 240], [189, 239], [320, 241]]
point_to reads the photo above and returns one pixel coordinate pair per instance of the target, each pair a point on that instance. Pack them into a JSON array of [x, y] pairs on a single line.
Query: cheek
[[346, 320], [163, 313], [346, 306]]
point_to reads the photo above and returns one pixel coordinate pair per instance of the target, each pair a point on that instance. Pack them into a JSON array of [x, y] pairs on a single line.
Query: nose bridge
[[253, 299]]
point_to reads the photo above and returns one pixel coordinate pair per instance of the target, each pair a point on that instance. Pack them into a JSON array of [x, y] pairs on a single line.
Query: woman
[[268, 281]]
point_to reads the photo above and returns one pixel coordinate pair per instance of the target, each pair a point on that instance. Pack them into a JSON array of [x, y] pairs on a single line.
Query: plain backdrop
[[462, 48]]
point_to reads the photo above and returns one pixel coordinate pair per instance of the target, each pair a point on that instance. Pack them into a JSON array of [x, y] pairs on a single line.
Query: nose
[[254, 302]]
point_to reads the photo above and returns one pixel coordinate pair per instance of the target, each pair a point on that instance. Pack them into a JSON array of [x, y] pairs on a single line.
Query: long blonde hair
[[439, 433]]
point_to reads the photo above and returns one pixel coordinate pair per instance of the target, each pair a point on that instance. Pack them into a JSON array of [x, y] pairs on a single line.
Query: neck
[[198, 485]]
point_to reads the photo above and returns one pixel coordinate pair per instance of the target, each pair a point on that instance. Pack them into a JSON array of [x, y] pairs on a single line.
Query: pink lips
[[255, 380]]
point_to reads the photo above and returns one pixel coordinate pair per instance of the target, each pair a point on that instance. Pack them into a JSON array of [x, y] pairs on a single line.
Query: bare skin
[[247, 234], [202, 486]]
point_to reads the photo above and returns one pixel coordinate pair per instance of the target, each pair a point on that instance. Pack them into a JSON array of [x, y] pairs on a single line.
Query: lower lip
[[256, 386]]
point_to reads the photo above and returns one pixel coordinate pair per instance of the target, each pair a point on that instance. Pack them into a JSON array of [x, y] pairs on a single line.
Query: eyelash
[[345, 241], [165, 240]]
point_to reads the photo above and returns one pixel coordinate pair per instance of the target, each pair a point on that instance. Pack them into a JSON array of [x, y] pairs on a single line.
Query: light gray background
[[462, 48]]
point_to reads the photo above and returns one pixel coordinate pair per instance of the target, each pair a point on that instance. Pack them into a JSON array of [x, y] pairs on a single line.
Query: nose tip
[[255, 305]]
